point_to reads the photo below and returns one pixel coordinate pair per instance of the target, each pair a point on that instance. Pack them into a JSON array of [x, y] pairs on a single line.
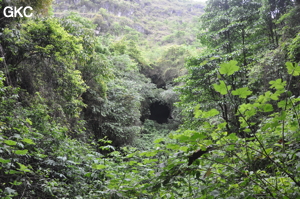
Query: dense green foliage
[[75, 105]]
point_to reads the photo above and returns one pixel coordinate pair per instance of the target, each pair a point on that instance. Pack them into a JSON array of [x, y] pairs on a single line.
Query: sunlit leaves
[[4, 161], [158, 140], [21, 152], [146, 161], [282, 104], [189, 136], [173, 146], [228, 68], [29, 121], [242, 92], [199, 136], [222, 88], [98, 166], [232, 137], [248, 109], [278, 84], [268, 107], [10, 142], [28, 141], [16, 183], [205, 114], [268, 151], [23, 167], [184, 148], [268, 96], [151, 153], [293, 68]]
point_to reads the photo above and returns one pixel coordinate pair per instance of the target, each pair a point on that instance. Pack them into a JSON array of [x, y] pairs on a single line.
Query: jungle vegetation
[[109, 103]]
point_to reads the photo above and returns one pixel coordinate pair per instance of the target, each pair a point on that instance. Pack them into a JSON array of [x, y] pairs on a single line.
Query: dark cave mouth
[[160, 112]]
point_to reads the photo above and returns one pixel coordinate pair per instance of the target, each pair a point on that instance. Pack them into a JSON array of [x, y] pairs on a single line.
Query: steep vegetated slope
[[73, 90], [159, 21], [75, 99], [165, 31], [158, 36]]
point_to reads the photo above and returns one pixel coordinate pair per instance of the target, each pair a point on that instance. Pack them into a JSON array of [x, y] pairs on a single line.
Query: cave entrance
[[159, 112]]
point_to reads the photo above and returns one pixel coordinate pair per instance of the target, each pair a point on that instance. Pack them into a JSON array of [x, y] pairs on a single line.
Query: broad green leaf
[[232, 137], [264, 98], [204, 62], [147, 161], [242, 92], [266, 126], [21, 152], [247, 109], [275, 96], [23, 168], [206, 143], [278, 84], [247, 130], [148, 153], [233, 186], [269, 150], [268, 107], [221, 88], [16, 183], [4, 161], [222, 125], [173, 146], [228, 68], [29, 121], [230, 147], [198, 113], [282, 115], [12, 172], [210, 113], [199, 136], [184, 148], [158, 140], [214, 58], [281, 104], [28, 141], [98, 166], [132, 163], [183, 138], [214, 135], [293, 69], [10, 142]]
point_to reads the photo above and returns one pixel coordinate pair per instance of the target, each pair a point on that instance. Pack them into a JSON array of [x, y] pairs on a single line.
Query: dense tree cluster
[[74, 107]]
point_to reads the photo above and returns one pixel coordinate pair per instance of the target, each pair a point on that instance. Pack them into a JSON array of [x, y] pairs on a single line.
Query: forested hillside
[[159, 21], [164, 31], [150, 99]]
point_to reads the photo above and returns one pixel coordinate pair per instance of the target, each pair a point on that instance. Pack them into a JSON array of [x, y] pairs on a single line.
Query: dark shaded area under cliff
[[160, 112]]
